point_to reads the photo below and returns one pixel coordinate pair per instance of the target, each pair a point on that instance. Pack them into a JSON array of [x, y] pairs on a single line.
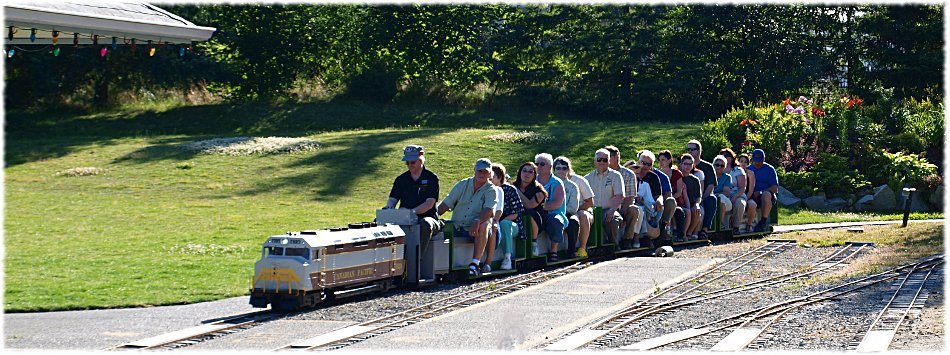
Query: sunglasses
[[691, 149], [719, 165], [685, 163], [646, 164], [527, 171], [542, 163], [560, 167], [602, 160]]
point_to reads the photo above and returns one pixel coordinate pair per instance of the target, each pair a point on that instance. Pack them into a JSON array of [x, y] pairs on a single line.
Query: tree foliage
[[627, 61]]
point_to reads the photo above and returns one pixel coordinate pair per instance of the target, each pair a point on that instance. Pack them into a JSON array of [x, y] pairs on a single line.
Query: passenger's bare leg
[[481, 239], [738, 212], [491, 245], [766, 204], [534, 230], [750, 210], [585, 219]]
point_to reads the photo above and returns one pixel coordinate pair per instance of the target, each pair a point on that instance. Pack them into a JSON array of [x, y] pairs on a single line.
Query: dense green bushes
[[837, 143]]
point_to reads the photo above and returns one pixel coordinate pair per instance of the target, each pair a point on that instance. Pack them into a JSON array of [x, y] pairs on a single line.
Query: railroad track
[[200, 333], [745, 327], [688, 292], [907, 298], [356, 333]]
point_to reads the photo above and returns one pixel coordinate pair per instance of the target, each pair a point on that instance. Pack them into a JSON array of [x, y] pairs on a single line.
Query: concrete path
[[814, 226], [98, 329], [530, 317]]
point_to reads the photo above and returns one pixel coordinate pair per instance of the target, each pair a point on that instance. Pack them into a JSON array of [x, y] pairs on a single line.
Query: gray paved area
[[531, 317], [98, 329], [270, 336], [813, 226]]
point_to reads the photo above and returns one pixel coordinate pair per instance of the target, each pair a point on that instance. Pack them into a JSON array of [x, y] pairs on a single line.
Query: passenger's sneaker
[[761, 226], [486, 268], [679, 239], [552, 257], [506, 263], [581, 253], [635, 244], [534, 249], [692, 237], [472, 269]]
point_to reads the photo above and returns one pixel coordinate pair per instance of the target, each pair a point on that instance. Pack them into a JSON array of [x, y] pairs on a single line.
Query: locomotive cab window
[[301, 252], [316, 254], [275, 251]]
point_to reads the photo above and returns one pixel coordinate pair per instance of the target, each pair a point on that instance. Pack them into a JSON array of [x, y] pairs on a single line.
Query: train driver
[[472, 201], [418, 190]]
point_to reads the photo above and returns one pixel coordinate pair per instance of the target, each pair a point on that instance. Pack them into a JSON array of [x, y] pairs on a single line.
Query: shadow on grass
[[33, 136], [340, 162]]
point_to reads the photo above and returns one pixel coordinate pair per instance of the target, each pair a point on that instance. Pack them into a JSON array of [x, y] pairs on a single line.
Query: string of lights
[[151, 48]]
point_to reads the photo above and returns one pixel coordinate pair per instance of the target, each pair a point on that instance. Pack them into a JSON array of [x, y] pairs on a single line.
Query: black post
[[908, 195]]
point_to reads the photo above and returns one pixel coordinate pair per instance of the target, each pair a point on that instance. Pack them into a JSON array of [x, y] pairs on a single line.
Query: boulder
[[917, 203], [883, 199], [787, 198], [936, 198], [817, 203], [863, 203], [837, 204]]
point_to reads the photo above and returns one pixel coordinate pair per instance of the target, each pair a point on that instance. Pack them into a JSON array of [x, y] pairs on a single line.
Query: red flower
[[817, 112], [746, 143], [786, 102], [748, 121], [855, 101]]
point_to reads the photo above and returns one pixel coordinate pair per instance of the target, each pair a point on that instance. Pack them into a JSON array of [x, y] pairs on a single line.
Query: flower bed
[[838, 144]]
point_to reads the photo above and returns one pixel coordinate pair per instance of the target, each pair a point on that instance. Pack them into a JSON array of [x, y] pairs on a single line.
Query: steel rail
[[780, 308], [355, 333], [756, 254], [881, 333], [591, 332], [632, 314]]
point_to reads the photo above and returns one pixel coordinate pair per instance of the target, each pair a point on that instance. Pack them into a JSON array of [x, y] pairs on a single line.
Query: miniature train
[[301, 269]]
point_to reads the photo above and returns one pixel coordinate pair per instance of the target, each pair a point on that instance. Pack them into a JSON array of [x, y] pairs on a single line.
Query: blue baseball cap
[[412, 152], [482, 163], [758, 155]]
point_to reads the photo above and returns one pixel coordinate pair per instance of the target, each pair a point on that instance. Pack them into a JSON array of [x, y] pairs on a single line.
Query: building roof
[[124, 20]]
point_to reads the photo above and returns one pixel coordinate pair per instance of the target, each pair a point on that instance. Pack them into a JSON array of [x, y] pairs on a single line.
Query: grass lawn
[[162, 225]]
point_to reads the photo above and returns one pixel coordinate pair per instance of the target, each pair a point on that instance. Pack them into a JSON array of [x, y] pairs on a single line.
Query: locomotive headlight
[[283, 241]]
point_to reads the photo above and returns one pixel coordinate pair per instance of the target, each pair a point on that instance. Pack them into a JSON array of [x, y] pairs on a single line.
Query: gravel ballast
[[837, 325]]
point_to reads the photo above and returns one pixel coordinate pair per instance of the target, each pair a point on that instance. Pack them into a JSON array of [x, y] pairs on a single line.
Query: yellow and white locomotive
[[300, 269]]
